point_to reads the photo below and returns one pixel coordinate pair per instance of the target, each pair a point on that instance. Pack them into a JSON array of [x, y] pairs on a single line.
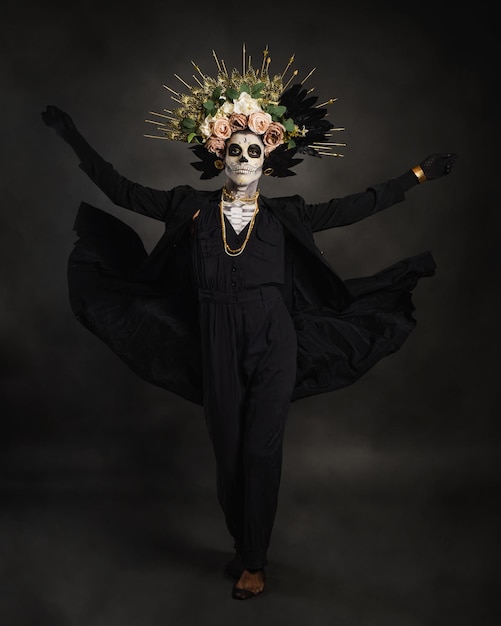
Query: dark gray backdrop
[[386, 517]]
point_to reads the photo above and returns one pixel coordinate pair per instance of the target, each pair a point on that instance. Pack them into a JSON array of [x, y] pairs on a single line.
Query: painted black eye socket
[[254, 151], [234, 150]]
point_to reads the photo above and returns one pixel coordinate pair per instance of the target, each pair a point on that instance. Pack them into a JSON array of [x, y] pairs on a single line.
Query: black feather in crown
[[305, 114], [279, 162], [210, 164]]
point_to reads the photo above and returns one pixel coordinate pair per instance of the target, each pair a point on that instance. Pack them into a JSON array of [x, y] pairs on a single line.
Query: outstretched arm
[[121, 191], [355, 207]]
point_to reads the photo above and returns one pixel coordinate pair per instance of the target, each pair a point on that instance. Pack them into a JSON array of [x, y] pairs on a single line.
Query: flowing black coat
[[144, 305]]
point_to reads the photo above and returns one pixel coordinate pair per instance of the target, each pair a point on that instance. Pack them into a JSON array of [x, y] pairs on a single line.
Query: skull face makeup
[[244, 159]]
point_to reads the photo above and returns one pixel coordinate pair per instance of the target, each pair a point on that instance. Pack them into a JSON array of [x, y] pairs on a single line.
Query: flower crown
[[212, 110]]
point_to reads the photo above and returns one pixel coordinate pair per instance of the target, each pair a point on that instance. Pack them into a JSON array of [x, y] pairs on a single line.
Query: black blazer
[[310, 279], [143, 306]]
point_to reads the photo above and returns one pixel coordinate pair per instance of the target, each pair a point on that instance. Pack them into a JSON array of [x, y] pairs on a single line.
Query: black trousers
[[249, 360]]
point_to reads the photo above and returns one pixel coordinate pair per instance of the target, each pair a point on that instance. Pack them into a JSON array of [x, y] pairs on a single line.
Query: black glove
[[60, 121], [64, 126], [437, 165]]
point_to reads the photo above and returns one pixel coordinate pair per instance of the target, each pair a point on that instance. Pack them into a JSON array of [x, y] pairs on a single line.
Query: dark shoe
[[244, 594]]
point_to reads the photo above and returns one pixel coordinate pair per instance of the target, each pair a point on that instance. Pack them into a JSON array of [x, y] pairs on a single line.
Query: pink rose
[[216, 145], [259, 122], [221, 128], [238, 121], [273, 137]]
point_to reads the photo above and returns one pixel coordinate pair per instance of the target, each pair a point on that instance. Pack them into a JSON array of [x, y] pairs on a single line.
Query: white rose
[[205, 128], [245, 104], [227, 108]]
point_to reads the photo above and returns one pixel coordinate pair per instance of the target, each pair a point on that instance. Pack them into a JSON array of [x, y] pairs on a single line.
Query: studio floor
[[92, 535]]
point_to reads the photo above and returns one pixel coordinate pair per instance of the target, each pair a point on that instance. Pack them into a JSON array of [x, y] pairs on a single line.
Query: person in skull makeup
[[236, 309], [249, 353]]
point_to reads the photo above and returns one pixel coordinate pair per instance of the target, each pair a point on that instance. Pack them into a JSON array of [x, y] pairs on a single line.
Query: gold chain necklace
[[236, 251], [231, 195]]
